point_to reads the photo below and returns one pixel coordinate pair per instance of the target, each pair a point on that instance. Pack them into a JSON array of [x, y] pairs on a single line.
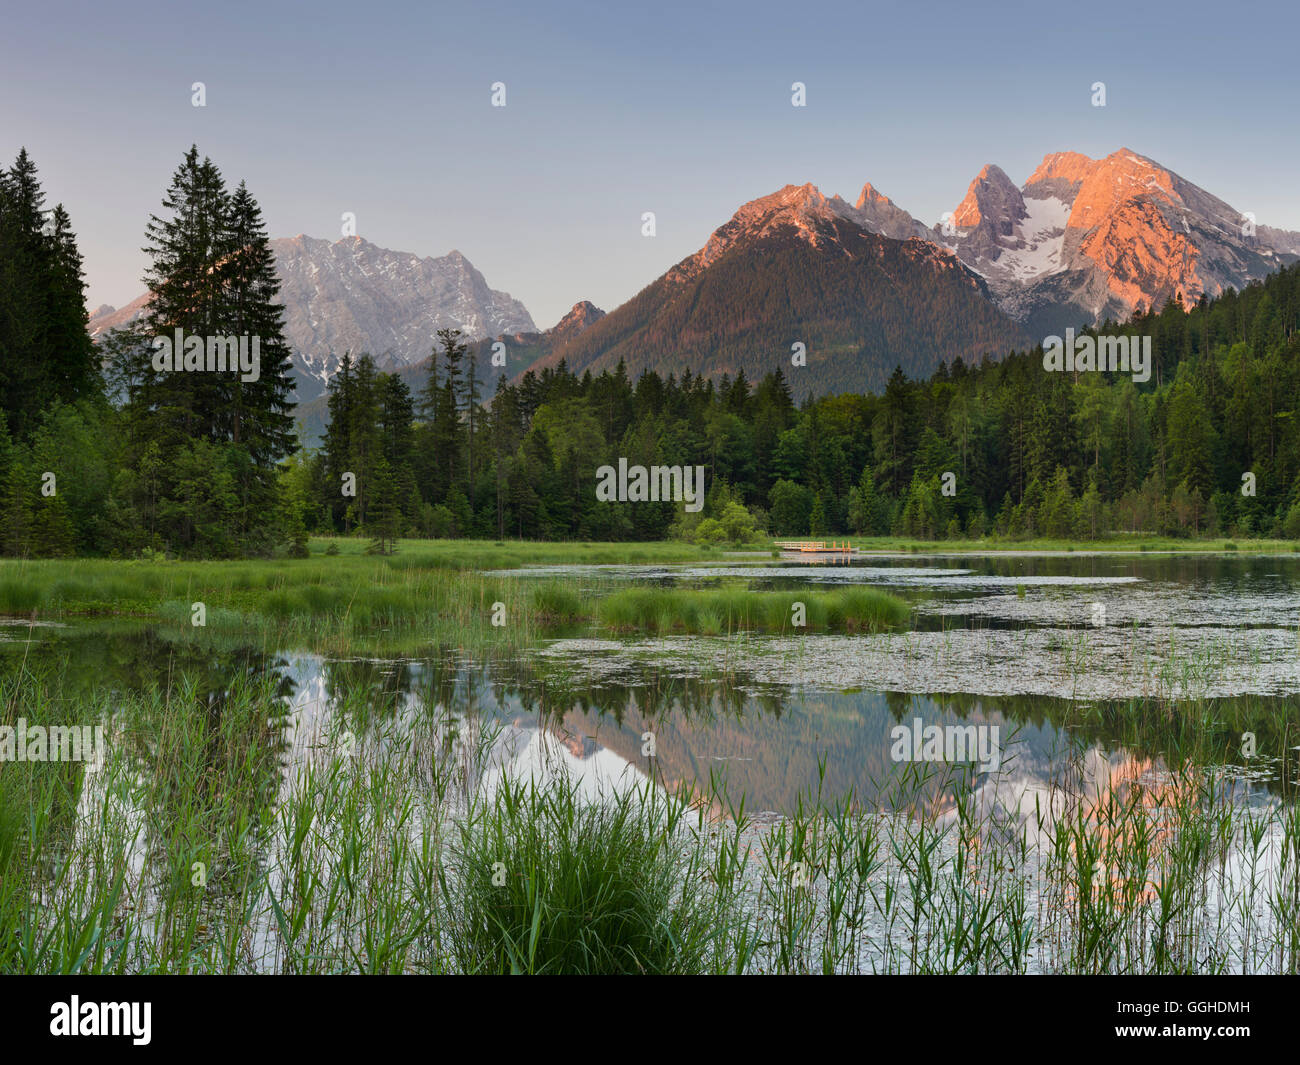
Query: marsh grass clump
[[283, 605], [867, 609], [323, 599], [550, 883], [87, 887], [20, 596], [554, 601], [725, 610]]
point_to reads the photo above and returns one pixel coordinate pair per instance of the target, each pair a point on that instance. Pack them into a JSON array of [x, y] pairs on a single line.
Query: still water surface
[[1096, 669]]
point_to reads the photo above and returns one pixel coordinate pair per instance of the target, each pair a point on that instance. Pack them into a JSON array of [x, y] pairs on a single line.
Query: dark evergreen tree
[[46, 355], [212, 282]]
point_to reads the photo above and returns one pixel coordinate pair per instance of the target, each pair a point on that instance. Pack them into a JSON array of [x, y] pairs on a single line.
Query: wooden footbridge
[[816, 547]]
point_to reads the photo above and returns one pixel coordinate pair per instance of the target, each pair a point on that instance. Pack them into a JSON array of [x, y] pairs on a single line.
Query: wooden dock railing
[[817, 547]]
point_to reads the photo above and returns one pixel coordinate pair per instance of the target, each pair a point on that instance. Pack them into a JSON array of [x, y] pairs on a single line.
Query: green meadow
[[427, 590], [342, 590]]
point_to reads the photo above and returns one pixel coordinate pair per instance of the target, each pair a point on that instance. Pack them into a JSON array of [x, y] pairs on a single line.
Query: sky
[[384, 110]]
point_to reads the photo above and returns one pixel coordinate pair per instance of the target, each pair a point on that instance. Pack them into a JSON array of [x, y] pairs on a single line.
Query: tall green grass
[[336, 604], [727, 610], [546, 882], [206, 843]]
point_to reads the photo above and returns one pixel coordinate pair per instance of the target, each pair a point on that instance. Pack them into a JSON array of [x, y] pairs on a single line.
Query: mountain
[[521, 349], [581, 317], [863, 286], [524, 349], [866, 286], [1085, 240], [351, 295], [106, 317]]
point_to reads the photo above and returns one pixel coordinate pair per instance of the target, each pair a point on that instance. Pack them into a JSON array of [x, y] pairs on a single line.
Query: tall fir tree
[[46, 355], [211, 276]]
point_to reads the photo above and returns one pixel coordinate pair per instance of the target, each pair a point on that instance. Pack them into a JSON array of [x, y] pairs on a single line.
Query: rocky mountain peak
[[871, 195], [808, 214], [583, 315], [352, 295], [992, 201], [1089, 239], [800, 207], [877, 213], [1067, 167]]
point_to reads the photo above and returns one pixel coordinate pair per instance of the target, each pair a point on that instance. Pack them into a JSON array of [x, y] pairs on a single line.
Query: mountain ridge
[[1085, 240], [864, 285], [798, 267], [352, 295], [1082, 241]]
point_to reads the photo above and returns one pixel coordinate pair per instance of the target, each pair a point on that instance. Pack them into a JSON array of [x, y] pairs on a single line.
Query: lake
[[1096, 681]]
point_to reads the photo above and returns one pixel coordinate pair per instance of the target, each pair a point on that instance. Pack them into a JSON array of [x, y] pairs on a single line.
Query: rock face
[[877, 213], [803, 212], [868, 286], [991, 221], [107, 317], [582, 317], [1084, 240], [863, 287], [520, 349], [354, 296], [351, 295]]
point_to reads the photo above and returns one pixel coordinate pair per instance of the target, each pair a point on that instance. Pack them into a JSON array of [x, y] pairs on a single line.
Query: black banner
[[149, 1014]]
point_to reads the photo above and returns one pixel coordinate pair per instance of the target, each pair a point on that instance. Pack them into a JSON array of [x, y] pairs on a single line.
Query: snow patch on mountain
[[1040, 235]]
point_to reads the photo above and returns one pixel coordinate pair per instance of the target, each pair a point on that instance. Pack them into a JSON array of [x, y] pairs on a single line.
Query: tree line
[[103, 454], [1210, 445]]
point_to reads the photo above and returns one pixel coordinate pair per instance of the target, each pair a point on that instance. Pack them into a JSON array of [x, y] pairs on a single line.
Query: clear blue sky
[[383, 109]]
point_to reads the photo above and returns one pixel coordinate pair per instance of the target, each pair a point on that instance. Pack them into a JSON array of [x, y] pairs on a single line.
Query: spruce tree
[[71, 359], [397, 430], [211, 275], [337, 444], [186, 251], [384, 518], [260, 413], [447, 437], [46, 354]]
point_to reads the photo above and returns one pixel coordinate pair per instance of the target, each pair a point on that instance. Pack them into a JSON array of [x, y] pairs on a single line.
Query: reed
[[696, 611], [383, 838], [546, 882]]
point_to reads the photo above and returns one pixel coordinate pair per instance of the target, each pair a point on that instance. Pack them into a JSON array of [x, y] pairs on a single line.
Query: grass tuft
[[552, 883], [710, 611]]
